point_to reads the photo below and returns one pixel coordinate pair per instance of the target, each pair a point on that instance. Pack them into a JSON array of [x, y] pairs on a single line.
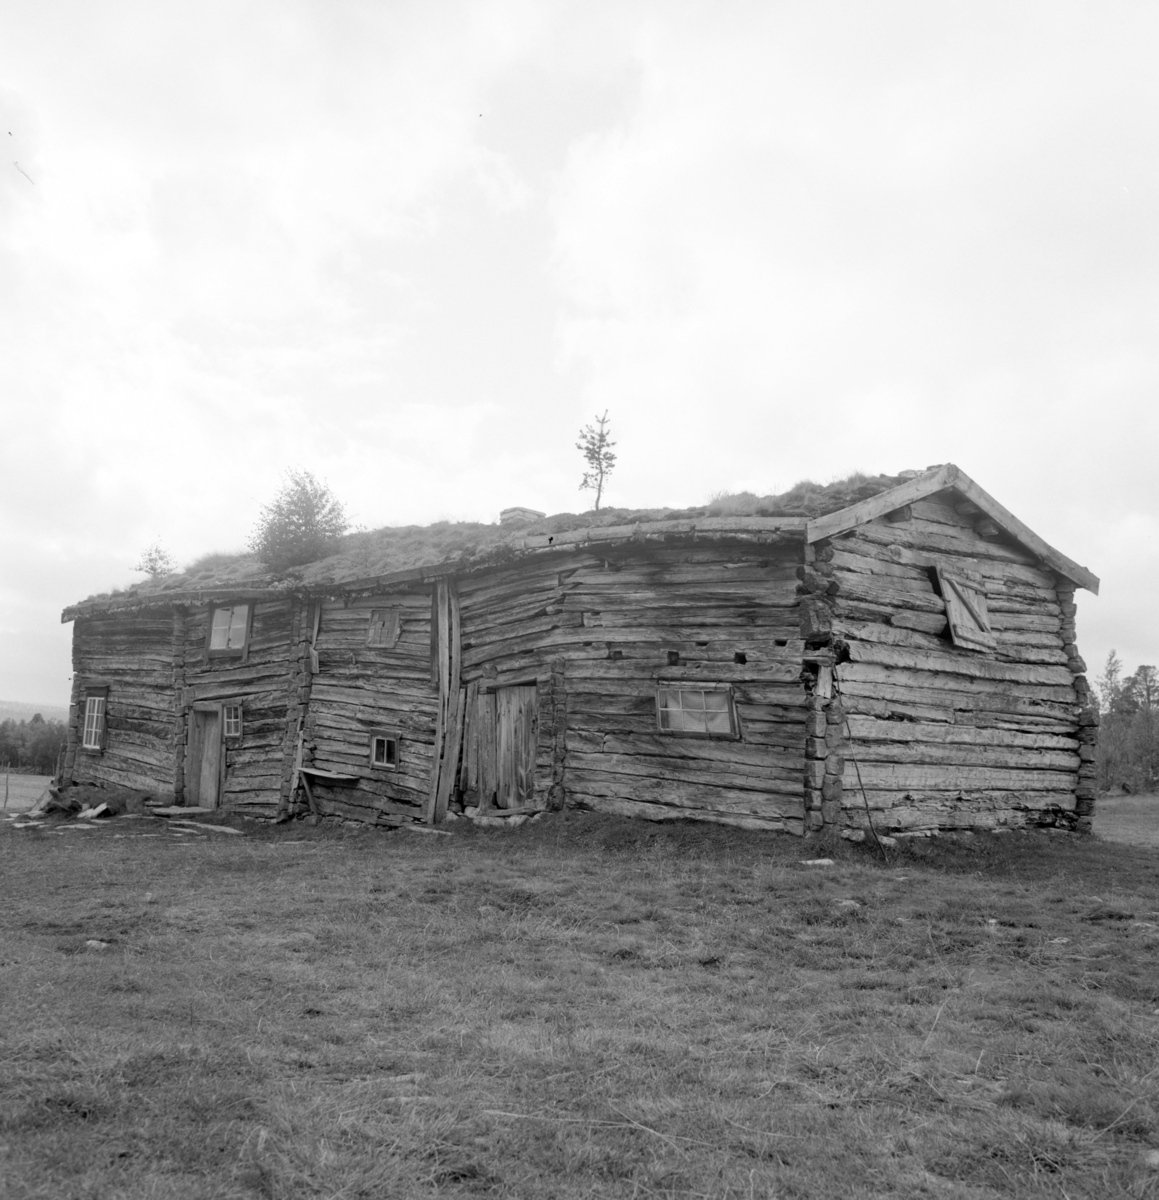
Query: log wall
[[255, 766], [361, 689], [130, 653], [928, 734], [596, 634]]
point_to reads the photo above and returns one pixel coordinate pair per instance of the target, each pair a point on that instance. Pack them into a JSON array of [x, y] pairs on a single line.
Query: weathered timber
[[685, 795], [659, 812]]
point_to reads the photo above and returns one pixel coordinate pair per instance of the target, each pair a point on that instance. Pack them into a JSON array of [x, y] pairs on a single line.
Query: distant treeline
[[32, 746], [1128, 752]]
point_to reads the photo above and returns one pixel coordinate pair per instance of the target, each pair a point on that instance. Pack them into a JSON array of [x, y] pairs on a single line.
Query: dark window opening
[[383, 750], [780, 641], [740, 657], [674, 658]]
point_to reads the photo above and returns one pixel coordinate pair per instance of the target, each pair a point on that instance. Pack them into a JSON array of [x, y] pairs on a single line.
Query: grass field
[[23, 791], [585, 1007], [1133, 820]]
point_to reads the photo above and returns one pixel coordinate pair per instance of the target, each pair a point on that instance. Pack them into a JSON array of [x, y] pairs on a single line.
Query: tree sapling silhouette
[[156, 561], [596, 445]]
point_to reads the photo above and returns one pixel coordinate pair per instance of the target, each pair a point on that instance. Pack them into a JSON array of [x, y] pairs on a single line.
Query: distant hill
[[16, 710]]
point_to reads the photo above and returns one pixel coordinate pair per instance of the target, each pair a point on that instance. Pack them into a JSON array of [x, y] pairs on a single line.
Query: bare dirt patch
[[586, 1007]]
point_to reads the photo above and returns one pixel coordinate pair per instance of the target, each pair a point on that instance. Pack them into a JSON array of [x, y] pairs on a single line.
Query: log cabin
[[895, 654]]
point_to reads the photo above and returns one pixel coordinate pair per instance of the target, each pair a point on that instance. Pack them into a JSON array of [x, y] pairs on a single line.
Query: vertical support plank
[[449, 669], [178, 703], [488, 766]]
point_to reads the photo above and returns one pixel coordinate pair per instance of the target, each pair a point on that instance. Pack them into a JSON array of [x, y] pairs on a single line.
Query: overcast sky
[[414, 247]]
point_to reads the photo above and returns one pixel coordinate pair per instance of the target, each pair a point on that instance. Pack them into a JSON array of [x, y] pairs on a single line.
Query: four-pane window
[[233, 720], [383, 750]]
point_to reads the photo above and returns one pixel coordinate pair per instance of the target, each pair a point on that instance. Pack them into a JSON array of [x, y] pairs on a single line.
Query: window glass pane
[[219, 634], [238, 615], [694, 710], [94, 720], [379, 751]]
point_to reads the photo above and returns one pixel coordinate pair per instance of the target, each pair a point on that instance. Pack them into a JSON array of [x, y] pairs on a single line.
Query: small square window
[[229, 630], [232, 720], [93, 736], [384, 750], [707, 712]]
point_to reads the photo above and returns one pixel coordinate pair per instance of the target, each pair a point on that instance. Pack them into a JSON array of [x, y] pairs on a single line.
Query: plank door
[[516, 735], [204, 776]]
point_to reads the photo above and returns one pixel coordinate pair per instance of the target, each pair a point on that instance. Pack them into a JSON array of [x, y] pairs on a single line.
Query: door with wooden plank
[[499, 744], [203, 778], [516, 735]]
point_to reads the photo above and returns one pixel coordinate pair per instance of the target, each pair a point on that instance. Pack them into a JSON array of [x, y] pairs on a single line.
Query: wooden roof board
[[942, 478]]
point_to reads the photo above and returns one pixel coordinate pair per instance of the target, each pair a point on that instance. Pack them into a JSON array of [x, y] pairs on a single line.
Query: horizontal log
[[658, 812], [684, 794], [989, 689], [930, 536], [672, 772], [910, 776], [698, 753], [919, 802], [872, 729], [949, 662], [957, 754]]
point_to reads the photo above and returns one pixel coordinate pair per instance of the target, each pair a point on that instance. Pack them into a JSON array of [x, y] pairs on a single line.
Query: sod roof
[[395, 549]]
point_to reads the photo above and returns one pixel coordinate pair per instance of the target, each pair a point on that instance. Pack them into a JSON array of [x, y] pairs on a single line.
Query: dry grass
[[583, 1008], [20, 792], [1132, 820]]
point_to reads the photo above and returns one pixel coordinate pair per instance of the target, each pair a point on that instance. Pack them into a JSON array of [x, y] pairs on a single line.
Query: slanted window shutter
[[967, 613], [384, 628]]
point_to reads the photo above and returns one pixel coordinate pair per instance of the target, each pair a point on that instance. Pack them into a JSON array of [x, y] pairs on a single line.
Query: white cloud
[[415, 247]]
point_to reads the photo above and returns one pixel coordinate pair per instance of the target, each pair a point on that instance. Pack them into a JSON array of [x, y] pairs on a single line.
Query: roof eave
[[938, 480]]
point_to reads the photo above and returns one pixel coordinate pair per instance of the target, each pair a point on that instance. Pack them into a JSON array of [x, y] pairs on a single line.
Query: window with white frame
[[384, 750], [704, 711], [232, 720], [228, 629], [93, 735]]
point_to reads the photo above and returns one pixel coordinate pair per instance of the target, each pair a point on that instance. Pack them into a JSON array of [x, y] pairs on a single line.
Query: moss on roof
[[395, 548]]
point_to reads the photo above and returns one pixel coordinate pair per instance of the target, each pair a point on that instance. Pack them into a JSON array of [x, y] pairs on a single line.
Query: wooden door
[[516, 735], [204, 758]]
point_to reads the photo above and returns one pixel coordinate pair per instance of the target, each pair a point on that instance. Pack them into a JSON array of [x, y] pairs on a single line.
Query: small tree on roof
[[301, 524], [596, 444], [156, 561]]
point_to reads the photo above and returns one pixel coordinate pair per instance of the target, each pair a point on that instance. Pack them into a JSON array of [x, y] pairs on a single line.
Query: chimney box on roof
[[520, 516]]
